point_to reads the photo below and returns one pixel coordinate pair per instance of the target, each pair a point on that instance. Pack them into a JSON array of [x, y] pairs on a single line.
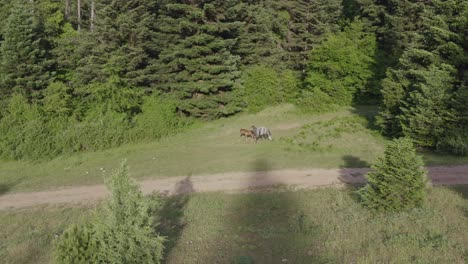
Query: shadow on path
[[171, 214], [264, 227], [352, 172]]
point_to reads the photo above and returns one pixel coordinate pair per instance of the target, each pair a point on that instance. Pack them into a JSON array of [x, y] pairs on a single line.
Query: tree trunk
[[79, 14], [67, 9], [93, 16]]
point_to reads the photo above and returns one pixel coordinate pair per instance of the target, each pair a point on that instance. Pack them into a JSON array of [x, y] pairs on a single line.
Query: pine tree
[[309, 21], [121, 43], [421, 92], [196, 64], [125, 228], [261, 37], [426, 113], [397, 180], [23, 66]]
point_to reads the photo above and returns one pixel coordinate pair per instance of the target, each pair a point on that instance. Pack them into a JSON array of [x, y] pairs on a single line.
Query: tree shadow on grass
[[6, 187], [171, 215], [352, 172], [265, 226], [463, 191]]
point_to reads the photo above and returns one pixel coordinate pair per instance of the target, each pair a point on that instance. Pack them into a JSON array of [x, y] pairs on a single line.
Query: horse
[[262, 132], [248, 133]]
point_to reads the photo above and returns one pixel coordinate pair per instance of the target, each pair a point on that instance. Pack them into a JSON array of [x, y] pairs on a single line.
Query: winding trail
[[308, 178]]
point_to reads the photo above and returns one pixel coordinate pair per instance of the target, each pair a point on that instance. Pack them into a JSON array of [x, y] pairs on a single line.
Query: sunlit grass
[[314, 226], [215, 147]]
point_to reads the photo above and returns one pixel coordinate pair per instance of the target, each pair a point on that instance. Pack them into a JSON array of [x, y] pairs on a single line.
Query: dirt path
[[308, 178]]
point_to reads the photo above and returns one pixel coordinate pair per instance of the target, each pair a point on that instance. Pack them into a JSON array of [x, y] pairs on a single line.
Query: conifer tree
[[23, 66], [125, 228], [196, 64], [397, 180], [261, 37], [122, 43], [309, 21]]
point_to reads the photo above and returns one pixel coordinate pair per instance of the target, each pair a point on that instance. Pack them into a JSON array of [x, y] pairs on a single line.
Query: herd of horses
[[256, 133]]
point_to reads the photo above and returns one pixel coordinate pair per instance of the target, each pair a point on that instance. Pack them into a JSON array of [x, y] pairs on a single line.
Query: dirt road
[[309, 178]]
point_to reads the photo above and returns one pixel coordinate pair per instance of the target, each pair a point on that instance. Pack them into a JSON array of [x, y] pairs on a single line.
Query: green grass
[[339, 139], [27, 236], [314, 226]]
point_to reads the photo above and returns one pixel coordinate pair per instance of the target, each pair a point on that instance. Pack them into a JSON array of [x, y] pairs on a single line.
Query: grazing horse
[[262, 132], [248, 133]]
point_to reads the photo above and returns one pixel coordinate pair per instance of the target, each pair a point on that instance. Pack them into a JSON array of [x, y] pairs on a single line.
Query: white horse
[[262, 132]]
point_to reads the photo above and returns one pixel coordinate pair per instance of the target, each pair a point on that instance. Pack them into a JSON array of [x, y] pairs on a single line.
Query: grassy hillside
[[340, 139], [319, 226]]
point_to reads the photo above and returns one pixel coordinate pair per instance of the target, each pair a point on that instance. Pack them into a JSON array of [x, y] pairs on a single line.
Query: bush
[[456, 141], [262, 87], [24, 131], [158, 118], [315, 101], [342, 65], [77, 245], [397, 180], [123, 231]]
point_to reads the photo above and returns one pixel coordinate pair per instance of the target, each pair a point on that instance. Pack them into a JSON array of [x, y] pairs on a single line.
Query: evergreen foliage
[[123, 232], [77, 245], [23, 67], [126, 71], [125, 228], [197, 66], [397, 180]]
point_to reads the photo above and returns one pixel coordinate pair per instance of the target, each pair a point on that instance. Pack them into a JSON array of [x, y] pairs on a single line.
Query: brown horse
[[247, 133]]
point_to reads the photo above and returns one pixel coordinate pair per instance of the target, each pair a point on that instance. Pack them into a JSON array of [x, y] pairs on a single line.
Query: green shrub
[[125, 227], [262, 87], [455, 141], [24, 131], [397, 180], [77, 245], [100, 130], [159, 118], [112, 95], [315, 101], [290, 84], [122, 232], [58, 100], [342, 65]]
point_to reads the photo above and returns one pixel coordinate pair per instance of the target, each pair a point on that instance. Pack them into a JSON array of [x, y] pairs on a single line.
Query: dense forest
[[84, 75]]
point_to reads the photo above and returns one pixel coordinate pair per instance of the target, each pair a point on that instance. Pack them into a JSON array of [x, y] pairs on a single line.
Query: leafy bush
[[263, 87], [107, 115], [24, 131], [158, 118], [315, 101], [397, 180], [100, 130], [342, 65], [455, 141], [77, 245]]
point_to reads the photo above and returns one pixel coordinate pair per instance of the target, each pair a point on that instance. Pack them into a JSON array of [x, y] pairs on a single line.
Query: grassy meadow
[[340, 139], [274, 226]]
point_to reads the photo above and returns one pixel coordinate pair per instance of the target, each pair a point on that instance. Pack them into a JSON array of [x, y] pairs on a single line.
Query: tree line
[[79, 75]]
